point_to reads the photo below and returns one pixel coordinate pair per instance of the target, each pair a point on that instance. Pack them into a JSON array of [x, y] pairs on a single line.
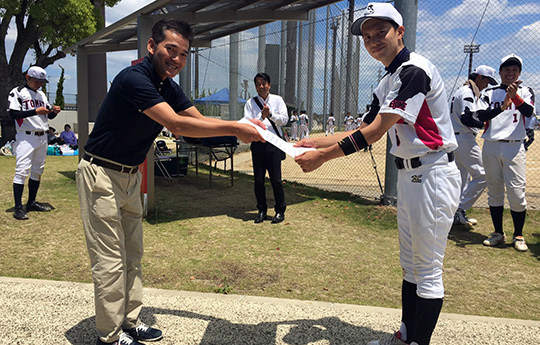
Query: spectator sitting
[[52, 139], [69, 138]]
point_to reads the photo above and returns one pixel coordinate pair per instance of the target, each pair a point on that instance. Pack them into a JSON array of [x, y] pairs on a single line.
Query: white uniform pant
[[111, 212], [304, 132], [294, 131], [330, 130], [30, 152], [428, 198], [469, 162], [505, 166]]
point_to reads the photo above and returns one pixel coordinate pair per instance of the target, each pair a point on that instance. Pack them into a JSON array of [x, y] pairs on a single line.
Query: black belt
[[40, 133], [415, 162], [510, 141], [109, 165]]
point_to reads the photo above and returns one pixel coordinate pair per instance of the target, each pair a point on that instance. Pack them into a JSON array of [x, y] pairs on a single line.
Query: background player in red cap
[[29, 107]]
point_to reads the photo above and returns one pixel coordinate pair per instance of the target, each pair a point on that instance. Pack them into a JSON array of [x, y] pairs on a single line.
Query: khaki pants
[[111, 214]]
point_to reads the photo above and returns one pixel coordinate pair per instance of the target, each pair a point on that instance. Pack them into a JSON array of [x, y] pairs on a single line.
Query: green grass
[[332, 246]]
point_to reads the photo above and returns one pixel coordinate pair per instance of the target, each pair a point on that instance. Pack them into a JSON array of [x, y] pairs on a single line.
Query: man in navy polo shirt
[[141, 101]]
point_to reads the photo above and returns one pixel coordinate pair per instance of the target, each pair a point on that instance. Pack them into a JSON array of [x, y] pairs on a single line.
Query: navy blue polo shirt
[[122, 132]]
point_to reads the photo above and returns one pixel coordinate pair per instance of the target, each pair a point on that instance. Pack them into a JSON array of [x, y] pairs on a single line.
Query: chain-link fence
[[319, 67]]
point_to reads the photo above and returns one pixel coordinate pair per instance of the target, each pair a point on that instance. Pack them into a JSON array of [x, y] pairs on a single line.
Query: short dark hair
[[263, 76], [66, 126], [179, 26]]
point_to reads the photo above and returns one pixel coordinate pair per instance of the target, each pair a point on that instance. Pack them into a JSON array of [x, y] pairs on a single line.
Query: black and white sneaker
[[125, 339], [36, 206], [143, 332], [19, 213]]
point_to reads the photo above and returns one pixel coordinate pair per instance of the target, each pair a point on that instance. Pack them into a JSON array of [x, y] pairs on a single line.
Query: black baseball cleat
[[143, 332], [19, 213], [260, 217], [278, 218], [36, 206]]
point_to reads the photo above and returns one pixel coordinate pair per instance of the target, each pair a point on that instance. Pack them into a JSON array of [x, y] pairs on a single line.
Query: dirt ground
[[357, 173]]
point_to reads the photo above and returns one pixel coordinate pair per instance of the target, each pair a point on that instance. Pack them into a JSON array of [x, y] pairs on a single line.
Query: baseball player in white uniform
[[330, 124], [303, 120], [29, 107], [504, 110], [349, 122], [409, 104], [468, 154], [294, 125]]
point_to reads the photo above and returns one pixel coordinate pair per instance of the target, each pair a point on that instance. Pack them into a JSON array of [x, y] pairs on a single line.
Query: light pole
[[471, 49]]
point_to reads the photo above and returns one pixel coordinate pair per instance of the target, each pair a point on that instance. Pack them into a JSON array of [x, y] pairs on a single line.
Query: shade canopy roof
[[210, 19], [220, 97]]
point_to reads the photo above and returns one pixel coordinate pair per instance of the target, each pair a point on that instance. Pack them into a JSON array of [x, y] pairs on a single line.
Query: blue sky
[[509, 26]]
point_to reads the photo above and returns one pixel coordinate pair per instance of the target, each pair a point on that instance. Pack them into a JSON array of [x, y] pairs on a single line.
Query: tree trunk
[[7, 83]]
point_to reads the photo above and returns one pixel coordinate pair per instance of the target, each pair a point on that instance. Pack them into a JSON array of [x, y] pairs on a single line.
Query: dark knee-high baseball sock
[[497, 217], [519, 222], [408, 309], [17, 194], [33, 187], [427, 314]]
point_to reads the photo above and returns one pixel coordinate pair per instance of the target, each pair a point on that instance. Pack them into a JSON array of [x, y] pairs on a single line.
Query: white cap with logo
[[488, 72], [378, 10], [37, 73], [511, 58]]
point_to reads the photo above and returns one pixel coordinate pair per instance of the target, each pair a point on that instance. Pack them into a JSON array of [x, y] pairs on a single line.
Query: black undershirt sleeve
[[19, 114]]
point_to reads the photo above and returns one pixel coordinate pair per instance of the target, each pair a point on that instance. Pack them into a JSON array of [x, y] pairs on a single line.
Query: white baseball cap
[[488, 72], [37, 73], [512, 57], [378, 10]]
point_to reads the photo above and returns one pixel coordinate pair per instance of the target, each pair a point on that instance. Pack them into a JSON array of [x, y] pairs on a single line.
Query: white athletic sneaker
[[461, 218], [519, 244], [393, 339], [494, 239]]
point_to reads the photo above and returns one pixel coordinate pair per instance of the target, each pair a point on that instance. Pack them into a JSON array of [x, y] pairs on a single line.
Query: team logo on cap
[[369, 10]]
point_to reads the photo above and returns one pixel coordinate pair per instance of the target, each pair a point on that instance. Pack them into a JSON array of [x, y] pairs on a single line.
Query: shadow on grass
[[191, 196], [222, 331], [464, 236], [69, 174]]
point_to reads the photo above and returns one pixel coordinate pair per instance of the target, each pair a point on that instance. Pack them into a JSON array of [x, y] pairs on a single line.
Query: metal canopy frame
[[210, 20]]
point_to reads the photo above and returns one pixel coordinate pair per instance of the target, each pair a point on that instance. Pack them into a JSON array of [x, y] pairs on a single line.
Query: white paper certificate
[[281, 144]]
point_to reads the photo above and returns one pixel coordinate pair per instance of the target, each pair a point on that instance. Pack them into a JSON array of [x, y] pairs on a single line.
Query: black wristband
[[353, 143]]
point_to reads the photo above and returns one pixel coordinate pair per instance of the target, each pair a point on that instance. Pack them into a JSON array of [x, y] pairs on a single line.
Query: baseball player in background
[[410, 104], [530, 124], [468, 154], [349, 122], [29, 107], [294, 125], [330, 124], [503, 109], [303, 120]]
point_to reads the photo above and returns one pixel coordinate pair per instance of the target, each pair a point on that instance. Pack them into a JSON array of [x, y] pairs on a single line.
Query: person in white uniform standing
[[504, 109], [468, 154], [330, 124], [303, 119], [29, 107], [294, 125], [410, 104]]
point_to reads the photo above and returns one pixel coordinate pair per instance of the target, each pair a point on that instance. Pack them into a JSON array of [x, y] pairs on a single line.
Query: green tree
[[44, 27], [59, 101]]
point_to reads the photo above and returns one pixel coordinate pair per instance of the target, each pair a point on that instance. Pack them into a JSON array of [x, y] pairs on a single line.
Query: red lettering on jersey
[[25, 104], [398, 104]]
